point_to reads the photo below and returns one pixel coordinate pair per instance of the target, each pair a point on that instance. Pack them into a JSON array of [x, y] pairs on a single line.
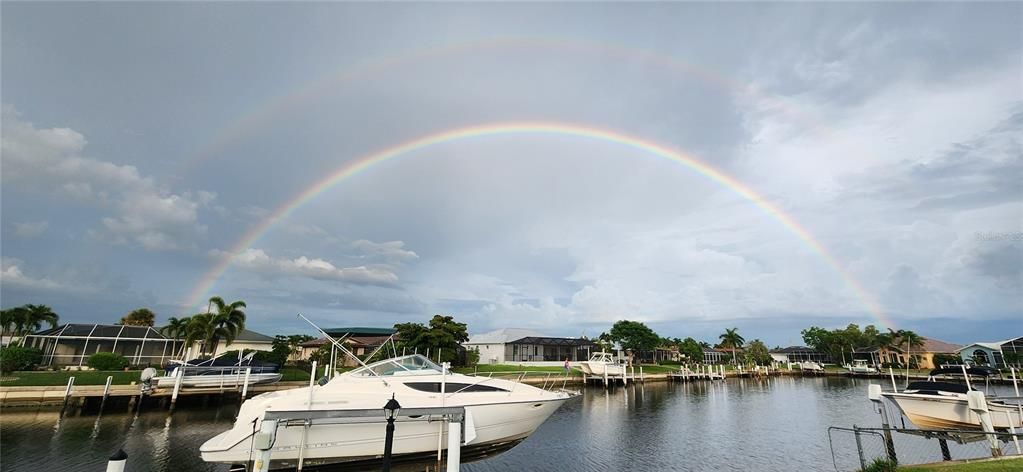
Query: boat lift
[[460, 428]]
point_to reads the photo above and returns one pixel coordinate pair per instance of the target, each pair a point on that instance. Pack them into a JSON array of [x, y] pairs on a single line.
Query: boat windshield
[[406, 365]]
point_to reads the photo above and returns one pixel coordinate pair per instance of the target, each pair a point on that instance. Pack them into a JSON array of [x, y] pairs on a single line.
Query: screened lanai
[[72, 344]]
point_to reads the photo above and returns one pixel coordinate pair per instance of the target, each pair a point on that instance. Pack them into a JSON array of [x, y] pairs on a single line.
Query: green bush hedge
[[14, 358], [107, 361]]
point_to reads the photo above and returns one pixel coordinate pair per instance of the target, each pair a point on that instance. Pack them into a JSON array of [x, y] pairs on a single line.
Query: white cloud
[[30, 229], [391, 251], [12, 275], [143, 213], [257, 260]]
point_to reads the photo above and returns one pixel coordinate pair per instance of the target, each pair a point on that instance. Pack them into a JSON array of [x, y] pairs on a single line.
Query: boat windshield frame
[[412, 364]]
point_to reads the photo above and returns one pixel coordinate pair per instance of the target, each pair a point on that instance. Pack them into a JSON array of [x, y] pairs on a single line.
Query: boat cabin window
[[405, 365], [451, 387]]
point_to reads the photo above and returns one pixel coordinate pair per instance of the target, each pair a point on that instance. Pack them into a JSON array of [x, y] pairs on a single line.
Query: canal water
[[740, 424]]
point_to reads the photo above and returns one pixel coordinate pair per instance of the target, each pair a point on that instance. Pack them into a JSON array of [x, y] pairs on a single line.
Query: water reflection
[[756, 424]]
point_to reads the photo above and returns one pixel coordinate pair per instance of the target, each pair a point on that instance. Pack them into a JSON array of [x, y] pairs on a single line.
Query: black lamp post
[[390, 411]]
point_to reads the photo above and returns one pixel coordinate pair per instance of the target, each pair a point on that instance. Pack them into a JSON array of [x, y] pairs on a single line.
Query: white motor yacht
[[499, 411], [944, 405], [601, 362]]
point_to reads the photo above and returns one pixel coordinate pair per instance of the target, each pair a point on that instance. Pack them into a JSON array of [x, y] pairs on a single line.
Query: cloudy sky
[[143, 142]]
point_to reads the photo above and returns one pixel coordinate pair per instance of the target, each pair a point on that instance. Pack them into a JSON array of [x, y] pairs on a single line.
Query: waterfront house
[[71, 344], [923, 357], [794, 354], [525, 347], [716, 356], [995, 354], [358, 345]]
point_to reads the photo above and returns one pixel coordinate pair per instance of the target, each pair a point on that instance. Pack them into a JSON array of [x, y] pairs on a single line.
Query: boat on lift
[[497, 412], [860, 367], [218, 372], [601, 362], [944, 405]]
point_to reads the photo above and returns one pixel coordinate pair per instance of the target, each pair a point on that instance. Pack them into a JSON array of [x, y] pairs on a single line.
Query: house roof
[[551, 341], [791, 349], [502, 336], [359, 331], [250, 336], [314, 342], [940, 347], [991, 346], [367, 341], [100, 331]]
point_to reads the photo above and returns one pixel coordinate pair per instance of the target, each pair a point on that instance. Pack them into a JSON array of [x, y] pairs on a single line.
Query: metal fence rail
[[869, 449]]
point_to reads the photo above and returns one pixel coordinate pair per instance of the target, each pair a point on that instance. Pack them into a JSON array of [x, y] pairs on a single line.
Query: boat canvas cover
[[935, 387], [983, 371]]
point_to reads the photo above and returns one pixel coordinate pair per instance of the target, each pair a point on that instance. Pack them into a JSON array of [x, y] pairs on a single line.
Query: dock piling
[[180, 371], [67, 394], [454, 446], [245, 386]]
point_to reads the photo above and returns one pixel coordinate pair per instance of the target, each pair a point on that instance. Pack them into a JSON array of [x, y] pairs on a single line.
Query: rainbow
[[353, 168]]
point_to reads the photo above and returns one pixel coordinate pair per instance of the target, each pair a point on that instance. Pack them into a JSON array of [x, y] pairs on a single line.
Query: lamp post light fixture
[[390, 411]]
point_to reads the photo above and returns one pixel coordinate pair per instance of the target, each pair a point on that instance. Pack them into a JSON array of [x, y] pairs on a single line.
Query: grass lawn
[[87, 377], [1003, 465]]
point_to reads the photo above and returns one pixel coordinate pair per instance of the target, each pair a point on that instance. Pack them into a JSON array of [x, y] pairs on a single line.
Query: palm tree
[[228, 320], [731, 339], [200, 329], [30, 318], [176, 328], [9, 320], [911, 340]]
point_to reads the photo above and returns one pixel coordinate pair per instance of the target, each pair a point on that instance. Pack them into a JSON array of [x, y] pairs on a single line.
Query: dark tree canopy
[[139, 317], [634, 336], [443, 334], [691, 349]]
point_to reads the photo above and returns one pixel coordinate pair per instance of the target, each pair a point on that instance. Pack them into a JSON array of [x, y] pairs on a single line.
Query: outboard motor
[[147, 380]]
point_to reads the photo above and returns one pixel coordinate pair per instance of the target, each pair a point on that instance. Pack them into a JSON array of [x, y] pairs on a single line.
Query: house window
[[980, 357]]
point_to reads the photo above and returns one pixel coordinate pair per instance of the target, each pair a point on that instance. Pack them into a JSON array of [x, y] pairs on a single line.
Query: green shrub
[[107, 361], [14, 358], [882, 465]]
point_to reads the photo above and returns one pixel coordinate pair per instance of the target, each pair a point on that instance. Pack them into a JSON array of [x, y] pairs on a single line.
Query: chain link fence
[[882, 449]]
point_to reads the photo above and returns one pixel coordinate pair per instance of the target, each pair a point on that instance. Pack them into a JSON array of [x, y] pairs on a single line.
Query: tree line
[[837, 343], [635, 336]]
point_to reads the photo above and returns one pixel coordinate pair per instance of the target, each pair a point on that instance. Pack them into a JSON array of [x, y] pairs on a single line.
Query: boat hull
[[339, 442], [231, 380], [952, 412], [598, 368]]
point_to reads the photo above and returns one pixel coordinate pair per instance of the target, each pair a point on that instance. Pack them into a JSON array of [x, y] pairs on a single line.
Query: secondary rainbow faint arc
[[551, 128]]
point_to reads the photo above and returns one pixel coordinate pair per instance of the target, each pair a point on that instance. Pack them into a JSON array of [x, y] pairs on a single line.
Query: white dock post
[[67, 394], [641, 373], [1012, 430], [454, 446], [312, 377], [180, 372], [106, 393], [117, 461], [245, 386], [892, 374], [263, 442], [605, 376], [978, 404]]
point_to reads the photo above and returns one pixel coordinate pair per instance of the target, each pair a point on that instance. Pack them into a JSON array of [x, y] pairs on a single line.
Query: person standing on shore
[[568, 367]]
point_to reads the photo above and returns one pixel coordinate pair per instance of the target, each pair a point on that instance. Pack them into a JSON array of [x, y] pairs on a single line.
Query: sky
[[154, 155]]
